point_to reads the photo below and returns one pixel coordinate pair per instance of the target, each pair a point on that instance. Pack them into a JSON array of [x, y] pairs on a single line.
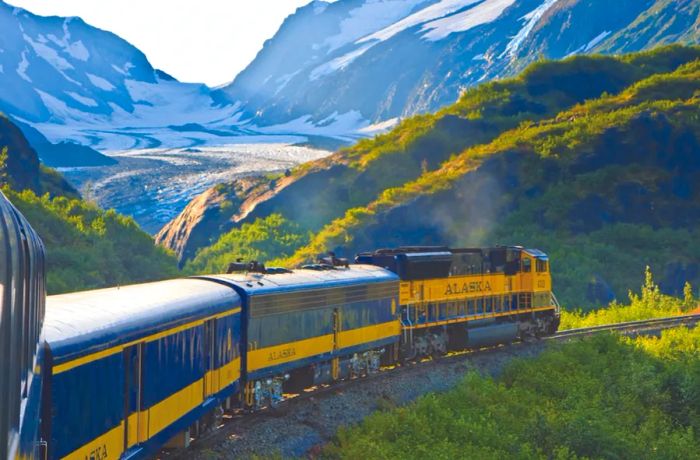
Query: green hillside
[[601, 397], [606, 188], [86, 247], [593, 159], [320, 191]]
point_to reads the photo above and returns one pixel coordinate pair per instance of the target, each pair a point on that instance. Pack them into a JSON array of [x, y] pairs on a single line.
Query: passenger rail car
[[23, 293], [457, 298], [313, 326], [129, 368]]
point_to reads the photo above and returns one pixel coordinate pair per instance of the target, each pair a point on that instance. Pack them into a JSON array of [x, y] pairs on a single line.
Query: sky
[[203, 41]]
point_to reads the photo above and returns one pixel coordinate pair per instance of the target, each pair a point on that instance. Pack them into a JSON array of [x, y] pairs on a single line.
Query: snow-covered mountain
[[343, 69], [75, 82], [368, 61]]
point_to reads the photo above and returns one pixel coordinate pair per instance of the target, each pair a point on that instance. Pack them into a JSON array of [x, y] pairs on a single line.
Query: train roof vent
[[276, 270], [318, 267], [332, 261], [245, 267]]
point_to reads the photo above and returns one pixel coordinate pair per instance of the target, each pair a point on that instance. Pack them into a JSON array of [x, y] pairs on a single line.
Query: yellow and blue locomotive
[[459, 298]]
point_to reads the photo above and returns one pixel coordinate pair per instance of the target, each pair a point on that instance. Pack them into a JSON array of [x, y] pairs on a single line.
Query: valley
[[154, 185]]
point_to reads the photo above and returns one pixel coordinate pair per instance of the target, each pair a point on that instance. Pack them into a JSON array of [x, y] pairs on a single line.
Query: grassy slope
[[649, 303], [91, 248], [560, 137], [356, 176], [262, 240], [602, 397]]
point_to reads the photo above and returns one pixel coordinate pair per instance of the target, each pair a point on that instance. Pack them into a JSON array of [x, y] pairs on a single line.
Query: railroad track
[[234, 419], [631, 326]]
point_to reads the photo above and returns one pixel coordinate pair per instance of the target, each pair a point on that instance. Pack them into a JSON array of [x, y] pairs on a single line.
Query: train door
[[209, 355], [335, 363], [133, 431], [526, 269], [541, 274]]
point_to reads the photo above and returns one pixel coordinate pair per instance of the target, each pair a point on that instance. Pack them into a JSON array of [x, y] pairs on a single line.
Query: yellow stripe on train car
[[368, 334], [107, 446], [175, 406], [288, 352], [228, 373]]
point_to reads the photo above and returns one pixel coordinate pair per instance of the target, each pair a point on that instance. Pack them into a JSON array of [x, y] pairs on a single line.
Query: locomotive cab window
[[541, 266], [527, 265]]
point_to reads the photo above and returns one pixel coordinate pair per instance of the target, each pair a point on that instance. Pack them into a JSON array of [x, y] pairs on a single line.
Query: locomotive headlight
[[268, 381]]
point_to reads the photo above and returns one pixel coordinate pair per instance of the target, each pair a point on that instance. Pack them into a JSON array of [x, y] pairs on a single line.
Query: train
[[22, 371], [126, 371], [132, 369]]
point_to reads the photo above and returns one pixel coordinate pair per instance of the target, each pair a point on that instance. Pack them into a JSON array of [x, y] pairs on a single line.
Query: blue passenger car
[[22, 298], [131, 367], [306, 327]]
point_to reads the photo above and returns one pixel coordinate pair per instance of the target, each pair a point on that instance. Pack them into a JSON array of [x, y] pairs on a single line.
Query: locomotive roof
[[439, 251], [537, 254], [84, 322], [303, 279]]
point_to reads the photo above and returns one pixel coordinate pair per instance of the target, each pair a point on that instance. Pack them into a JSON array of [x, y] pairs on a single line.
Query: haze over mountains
[[332, 69]]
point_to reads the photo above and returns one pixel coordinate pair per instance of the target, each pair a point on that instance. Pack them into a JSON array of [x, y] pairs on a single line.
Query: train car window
[[467, 262], [527, 265], [498, 258], [421, 314], [541, 266]]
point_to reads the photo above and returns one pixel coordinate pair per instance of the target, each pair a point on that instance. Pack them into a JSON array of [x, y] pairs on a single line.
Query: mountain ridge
[[433, 51], [77, 83], [345, 70]]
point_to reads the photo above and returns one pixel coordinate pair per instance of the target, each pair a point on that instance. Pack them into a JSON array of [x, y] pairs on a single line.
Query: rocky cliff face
[[211, 214], [20, 167]]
